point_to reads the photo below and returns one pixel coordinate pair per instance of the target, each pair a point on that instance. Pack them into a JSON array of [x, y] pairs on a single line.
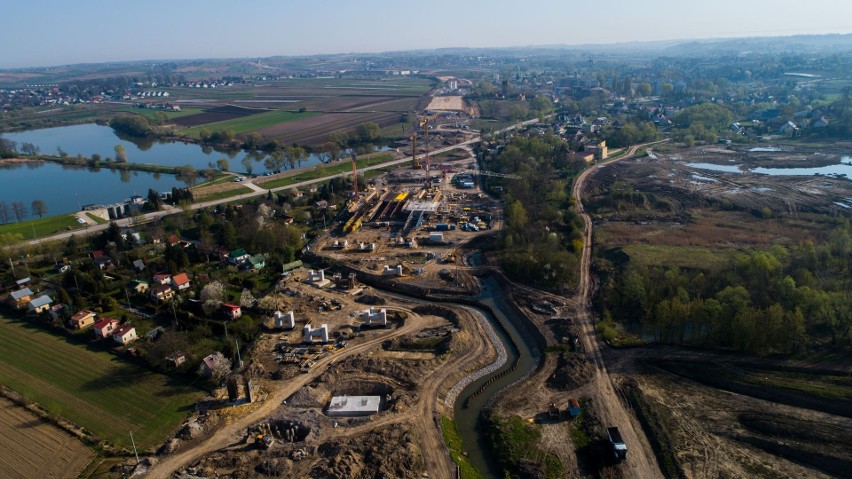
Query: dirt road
[[233, 431], [641, 462]]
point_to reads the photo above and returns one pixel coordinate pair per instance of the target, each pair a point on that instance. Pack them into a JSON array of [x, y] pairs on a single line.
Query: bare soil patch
[[446, 103], [32, 447]]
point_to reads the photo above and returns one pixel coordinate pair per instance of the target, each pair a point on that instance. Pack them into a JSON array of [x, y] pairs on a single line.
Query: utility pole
[[13, 268], [134, 448], [239, 358]]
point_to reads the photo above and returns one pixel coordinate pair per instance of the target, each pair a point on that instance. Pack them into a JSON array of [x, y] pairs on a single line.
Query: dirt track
[[641, 462], [236, 429]]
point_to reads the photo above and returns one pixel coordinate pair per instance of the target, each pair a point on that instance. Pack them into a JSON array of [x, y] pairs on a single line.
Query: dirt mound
[[356, 458], [370, 300], [572, 371], [310, 396]]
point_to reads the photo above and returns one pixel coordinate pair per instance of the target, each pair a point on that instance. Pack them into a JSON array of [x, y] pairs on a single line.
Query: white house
[[40, 304], [124, 334]]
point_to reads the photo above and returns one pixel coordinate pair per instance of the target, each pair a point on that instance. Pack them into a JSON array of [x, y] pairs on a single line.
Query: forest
[[542, 240], [775, 300]]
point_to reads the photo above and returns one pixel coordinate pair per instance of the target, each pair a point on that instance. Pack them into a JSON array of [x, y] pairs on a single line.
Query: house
[[163, 292], [83, 319], [105, 327], [789, 128], [57, 312], [820, 123], [175, 359], [172, 240], [61, 268], [138, 286], [238, 256], [162, 278], [124, 334], [139, 265], [232, 311], [19, 299], [22, 283], [180, 281], [586, 156], [599, 149], [40, 304], [208, 364], [101, 259], [257, 261]]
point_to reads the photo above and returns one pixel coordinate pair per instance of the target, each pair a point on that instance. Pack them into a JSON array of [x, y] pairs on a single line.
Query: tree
[[247, 299], [248, 164], [4, 211], [20, 210], [333, 150], [211, 297], [217, 367], [29, 149], [120, 153], [223, 164], [367, 132], [39, 208]]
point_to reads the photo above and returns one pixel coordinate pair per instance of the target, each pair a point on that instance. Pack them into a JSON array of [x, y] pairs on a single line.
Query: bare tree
[[248, 164], [211, 297], [4, 211], [39, 208], [120, 153], [247, 299], [219, 367], [20, 210]]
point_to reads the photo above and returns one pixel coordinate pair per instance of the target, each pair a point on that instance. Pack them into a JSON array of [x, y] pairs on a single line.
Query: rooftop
[[354, 405]]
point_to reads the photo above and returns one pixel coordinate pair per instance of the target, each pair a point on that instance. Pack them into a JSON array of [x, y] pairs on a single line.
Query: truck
[[619, 449]]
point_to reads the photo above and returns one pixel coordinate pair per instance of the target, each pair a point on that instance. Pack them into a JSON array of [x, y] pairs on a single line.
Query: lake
[[65, 189], [91, 138]]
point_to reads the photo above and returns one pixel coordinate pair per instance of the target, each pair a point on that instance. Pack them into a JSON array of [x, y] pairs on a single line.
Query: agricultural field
[[32, 447], [302, 111], [248, 123], [93, 389]]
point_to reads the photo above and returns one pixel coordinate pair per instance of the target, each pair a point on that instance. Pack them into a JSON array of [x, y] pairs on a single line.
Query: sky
[[59, 32]]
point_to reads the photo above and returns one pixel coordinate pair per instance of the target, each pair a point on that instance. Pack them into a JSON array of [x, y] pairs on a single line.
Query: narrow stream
[[477, 396]]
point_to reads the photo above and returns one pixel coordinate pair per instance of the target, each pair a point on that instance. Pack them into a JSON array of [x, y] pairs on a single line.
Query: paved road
[[257, 190], [641, 462]]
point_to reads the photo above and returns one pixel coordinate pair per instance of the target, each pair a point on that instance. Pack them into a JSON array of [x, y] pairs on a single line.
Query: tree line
[[18, 210], [775, 300]]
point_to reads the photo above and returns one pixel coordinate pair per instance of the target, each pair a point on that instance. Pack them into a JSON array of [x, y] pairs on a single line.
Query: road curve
[[641, 462]]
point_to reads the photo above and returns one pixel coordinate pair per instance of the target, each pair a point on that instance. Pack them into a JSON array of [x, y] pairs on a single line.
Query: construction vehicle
[[619, 449], [264, 439]]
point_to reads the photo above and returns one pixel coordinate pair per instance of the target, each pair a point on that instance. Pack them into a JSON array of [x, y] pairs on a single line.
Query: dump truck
[[617, 443]]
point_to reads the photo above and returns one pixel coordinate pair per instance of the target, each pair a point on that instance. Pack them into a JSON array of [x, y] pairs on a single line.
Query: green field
[[322, 171], [454, 443], [249, 123], [221, 195], [148, 113], [682, 256], [96, 390], [42, 226]]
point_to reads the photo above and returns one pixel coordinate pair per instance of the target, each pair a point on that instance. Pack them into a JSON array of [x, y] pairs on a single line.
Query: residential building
[[83, 319], [162, 278], [163, 292], [124, 334], [40, 304], [138, 286], [238, 256], [20, 298], [232, 311], [105, 327], [180, 281]]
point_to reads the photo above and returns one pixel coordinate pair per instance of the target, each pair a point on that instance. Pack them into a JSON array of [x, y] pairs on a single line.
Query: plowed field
[[32, 447]]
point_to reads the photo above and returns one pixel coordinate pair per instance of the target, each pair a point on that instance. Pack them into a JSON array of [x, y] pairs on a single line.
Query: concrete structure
[[315, 335], [317, 278], [354, 406], [375, 317], [284, 320], [436, 237], [392, 270]]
